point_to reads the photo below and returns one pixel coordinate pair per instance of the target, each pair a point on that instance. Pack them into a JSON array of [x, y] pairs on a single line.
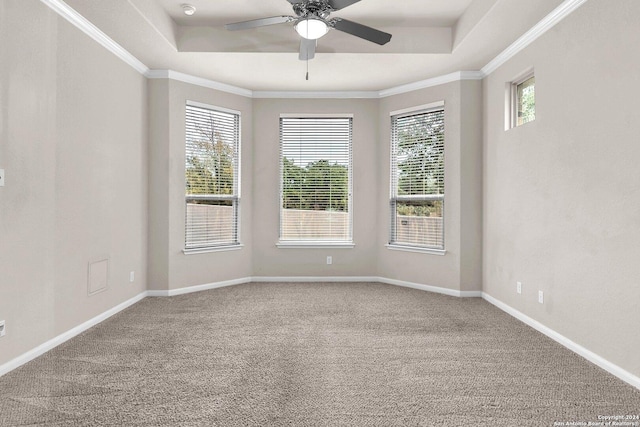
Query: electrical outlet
[[541, 297], [519, 287], [329, 260], [132, 276], [1, 177], [3, 329]]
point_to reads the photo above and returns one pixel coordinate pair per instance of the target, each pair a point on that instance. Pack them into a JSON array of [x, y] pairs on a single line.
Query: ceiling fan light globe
[[312, 28]]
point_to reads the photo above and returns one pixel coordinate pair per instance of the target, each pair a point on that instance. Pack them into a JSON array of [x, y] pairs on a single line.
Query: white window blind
[[417, 179], [315, 164], [212, 163]]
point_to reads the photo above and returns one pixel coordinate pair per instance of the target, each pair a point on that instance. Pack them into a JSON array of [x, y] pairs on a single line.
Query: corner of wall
[[158, 183], [471, 194]]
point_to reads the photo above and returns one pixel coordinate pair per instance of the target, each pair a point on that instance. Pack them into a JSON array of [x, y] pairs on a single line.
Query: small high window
[[526, 95], [522, 101]]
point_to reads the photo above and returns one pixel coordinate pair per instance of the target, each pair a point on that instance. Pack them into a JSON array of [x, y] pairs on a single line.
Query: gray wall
[[553, 204], [562, 193], [460, 268], [169, 267], [268, 260], [73, 142]]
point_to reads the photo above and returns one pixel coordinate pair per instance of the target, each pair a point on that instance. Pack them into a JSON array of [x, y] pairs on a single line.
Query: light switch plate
[[1, 177]]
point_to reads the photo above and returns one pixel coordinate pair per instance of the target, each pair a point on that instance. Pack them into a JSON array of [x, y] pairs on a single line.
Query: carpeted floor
[[313, 354]]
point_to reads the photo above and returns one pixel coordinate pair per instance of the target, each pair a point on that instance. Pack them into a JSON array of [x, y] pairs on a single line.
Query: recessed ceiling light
[[188, 9]]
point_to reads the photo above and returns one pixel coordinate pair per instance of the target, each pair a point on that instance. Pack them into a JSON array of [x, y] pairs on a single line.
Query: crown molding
[[558, 14], [198, 81], [68, 13], [317, 94], [435, 81], [548, 22]]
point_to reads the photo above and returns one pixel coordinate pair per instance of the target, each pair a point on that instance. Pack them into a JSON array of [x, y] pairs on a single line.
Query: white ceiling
[[404, 12], [430, 38]]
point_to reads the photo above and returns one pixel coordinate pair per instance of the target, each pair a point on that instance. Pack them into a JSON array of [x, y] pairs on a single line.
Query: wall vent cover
[[98, 276]]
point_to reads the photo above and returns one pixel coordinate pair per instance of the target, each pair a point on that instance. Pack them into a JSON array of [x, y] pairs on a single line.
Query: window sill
[[212, 249], [440, 252], [315, 245]]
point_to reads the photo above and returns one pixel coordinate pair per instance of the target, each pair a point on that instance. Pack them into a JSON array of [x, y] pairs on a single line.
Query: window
[[522, 101], [315, 184], [417, 179], [212, 192]]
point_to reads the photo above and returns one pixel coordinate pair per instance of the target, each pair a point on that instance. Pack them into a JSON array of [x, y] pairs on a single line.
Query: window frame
[[513, 101], [235, 198], [394, 198], [319, 243]]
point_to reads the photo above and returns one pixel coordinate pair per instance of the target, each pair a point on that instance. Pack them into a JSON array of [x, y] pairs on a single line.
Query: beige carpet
[[340, 354]]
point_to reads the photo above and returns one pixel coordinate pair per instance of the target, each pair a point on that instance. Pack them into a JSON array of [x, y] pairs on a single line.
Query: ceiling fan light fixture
[[188, 9], [312, 28]]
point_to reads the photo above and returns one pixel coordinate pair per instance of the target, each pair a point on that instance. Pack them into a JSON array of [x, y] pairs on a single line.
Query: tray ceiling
[[430, 38]]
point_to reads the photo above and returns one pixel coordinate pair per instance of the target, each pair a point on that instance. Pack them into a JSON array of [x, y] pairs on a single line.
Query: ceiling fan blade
[[362, 31], [262, 22], [341, 4], [307, 49]]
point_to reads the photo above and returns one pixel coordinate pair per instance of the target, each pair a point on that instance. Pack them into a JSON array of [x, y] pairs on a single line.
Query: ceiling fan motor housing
[[313, 8], [311, 23]]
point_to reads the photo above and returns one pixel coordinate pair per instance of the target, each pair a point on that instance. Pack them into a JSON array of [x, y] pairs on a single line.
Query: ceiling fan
[[312, 22]]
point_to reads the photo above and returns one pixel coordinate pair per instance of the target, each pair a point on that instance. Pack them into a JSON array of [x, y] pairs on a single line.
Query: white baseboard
[[429, 288], [613, 369], [587, 354], [375, 279], [309, 279], [470, 294], [54, 342], [198, 288]]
